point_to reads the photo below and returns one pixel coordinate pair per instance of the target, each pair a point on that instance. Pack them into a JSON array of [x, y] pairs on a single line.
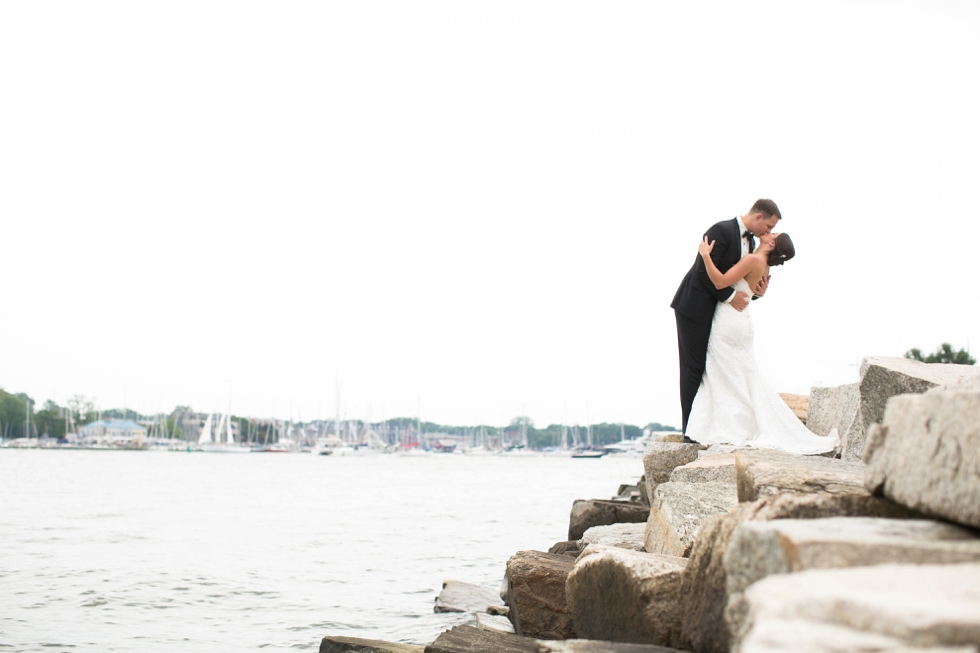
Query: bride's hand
[[705, 247]]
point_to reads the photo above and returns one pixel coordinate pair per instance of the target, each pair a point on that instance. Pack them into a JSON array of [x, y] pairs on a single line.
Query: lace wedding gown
[[734, 404]]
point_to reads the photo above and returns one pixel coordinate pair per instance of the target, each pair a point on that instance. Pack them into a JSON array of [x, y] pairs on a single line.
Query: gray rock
[[593, 646], [357, 645], [678, 511], [761, 549], [670, 437], [822, 409], [926, 455], [623, 536], [568, 548], [660, 459], [464, 597], [499, 623], [644, 491], [781, 635], [536, 594], [920, 606], [767, 473], [883, 378], [587, 513], [467, 639], [498, 610], [626, 596], [704, 583], [706, 469], [723, 450]]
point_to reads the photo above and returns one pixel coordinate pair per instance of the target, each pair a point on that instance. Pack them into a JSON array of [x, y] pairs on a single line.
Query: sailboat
[[213, 445]]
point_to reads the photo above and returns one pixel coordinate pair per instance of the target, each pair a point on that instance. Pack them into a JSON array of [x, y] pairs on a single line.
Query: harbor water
[[124, 551]]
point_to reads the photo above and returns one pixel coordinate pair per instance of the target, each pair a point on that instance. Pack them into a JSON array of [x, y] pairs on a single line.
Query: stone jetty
[[733, 550]]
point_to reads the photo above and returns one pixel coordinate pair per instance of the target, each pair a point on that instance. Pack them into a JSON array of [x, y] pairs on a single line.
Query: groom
[[696, 298]]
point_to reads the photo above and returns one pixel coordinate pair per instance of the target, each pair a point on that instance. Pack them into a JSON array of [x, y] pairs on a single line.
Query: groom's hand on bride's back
[[740, 301], [762, 286]]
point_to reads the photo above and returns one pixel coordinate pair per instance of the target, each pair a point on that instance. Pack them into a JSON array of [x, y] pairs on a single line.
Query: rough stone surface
[[883, 378], [499, 623], [926, 454], [660, 459], [799, 404], [593, 646], [536, 594], [464, 597], [587, 513], [670, 437], [500, 610], [467, 639], [761, 549], [626, 596], [644, 491], [623, 536], [706, 469], [798, 636], [678, 511], [568, 548], [821, 410], [917, 605], [768, 473], [704, 584], [357, 645]]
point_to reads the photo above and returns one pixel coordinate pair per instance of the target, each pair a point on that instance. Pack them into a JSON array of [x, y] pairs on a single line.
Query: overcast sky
[[471, 207]]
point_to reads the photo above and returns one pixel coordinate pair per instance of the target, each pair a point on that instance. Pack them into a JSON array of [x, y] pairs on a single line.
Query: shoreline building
[[111, 431]]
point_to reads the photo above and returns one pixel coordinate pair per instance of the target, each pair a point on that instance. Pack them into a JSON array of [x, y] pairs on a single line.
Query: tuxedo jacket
[[697, 297]]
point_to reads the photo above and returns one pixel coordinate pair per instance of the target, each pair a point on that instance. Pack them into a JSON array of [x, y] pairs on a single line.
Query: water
[[114, 551]]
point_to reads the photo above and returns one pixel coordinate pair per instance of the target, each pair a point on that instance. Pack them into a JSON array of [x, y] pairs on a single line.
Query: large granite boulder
[[914, 606], [626, 596], [467, 639], [623, 536], [926, 454], [587, 513], [332, 644], [833, 408], [660, 459], [883, 378], [704, 583], [536, 594], [464, 597], [761, 549], [706, 469], [678, 511], [768, 473]]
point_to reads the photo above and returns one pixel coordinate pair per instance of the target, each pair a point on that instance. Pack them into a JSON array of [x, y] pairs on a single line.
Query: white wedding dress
[[734, 404]]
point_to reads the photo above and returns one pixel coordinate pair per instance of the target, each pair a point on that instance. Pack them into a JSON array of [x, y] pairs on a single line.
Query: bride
[[734, 404]]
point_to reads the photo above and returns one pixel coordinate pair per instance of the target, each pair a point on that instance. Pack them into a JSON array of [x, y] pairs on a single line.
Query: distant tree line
[[945, 354]]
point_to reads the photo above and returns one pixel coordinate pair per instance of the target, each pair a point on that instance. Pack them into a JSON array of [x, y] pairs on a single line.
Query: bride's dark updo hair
[[783, 251]]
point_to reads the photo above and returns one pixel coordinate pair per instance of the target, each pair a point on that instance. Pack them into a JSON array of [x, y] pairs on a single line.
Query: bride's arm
[[738, 271]]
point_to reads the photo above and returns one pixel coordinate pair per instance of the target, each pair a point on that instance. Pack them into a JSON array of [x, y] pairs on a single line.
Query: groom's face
[[762, 225]]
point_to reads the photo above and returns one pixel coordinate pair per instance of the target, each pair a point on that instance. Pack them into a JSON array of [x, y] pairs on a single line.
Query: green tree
[[945, 354]]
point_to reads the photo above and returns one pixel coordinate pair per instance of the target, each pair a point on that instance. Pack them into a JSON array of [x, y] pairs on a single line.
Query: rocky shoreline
[[722, 550]]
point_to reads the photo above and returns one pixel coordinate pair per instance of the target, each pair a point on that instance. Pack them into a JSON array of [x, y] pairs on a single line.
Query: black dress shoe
[[688, 440]]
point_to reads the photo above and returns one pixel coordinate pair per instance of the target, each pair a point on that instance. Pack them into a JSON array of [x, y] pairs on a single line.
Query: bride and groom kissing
[[724, 397]]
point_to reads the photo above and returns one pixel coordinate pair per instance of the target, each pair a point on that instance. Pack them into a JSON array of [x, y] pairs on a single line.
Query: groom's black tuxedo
[[694, 307]]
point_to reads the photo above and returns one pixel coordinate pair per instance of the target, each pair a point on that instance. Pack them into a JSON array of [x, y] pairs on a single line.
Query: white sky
[[485, 205]]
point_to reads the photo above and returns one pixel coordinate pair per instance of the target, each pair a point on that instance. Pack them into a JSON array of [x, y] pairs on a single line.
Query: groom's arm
[[718, 234]]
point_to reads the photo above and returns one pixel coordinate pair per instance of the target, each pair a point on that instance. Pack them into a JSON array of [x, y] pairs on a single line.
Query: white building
[[112, 431]]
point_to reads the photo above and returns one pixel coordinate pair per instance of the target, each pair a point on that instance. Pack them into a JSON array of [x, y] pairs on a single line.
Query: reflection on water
[[107, 551]]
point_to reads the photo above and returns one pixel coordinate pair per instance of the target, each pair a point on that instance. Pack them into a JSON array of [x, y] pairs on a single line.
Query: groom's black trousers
[[692, 347]]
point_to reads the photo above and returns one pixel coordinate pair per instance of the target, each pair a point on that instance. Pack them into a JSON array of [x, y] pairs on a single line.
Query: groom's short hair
[[767, 208]]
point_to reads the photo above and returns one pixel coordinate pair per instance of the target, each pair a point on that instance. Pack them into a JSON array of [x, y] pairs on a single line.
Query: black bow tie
[[749, 236]]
